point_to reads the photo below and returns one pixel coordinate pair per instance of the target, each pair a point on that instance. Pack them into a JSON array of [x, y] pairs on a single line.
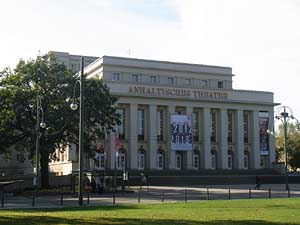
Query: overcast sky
[[259, 39]]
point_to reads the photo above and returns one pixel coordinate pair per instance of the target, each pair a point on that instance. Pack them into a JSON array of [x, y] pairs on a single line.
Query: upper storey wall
[[148, 78]]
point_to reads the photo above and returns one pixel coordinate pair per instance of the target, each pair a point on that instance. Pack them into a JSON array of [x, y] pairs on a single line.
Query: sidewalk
[[156, 194]]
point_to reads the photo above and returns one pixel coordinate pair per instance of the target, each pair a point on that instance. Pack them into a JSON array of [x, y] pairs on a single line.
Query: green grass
[[217, 212]]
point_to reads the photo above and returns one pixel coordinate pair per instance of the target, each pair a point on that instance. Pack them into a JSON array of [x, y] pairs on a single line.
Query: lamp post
[[42, 124], [74, 106], [285, 114]]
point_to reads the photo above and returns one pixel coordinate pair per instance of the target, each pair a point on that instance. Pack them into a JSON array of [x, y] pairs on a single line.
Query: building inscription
[[177, 92]]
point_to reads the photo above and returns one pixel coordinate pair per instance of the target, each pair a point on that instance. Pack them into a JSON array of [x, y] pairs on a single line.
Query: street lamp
[[285, 114], [42, 124], [74, 106]]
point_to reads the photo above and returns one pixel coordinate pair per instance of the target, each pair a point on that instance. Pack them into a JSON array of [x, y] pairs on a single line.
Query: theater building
[[228, 126]]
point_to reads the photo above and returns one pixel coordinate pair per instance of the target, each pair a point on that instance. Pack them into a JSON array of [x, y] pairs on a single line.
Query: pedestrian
[[258, 183]]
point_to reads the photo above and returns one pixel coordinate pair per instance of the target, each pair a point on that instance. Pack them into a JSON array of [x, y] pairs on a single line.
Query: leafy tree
[[54, 83], [292, 145]]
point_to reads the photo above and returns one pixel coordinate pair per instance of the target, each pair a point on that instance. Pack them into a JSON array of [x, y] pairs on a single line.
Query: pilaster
[[222, 139], [132, 136], [239, 139], [254, 137], [206, 151]]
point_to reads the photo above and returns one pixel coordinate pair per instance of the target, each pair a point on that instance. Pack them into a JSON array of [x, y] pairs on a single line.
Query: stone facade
[[226, 121]]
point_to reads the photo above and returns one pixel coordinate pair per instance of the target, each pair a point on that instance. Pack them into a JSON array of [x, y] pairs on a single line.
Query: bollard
[[250, 193], [229, 194], [139, 196], [61, 200], [289, 194], [88, 198], [207, 191], [269, 192], [162, 197], [2, 199], [185, 195], [114, 197], [33, 201]]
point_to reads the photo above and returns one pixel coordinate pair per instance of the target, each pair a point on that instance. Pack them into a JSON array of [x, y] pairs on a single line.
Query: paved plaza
[[155, 194]]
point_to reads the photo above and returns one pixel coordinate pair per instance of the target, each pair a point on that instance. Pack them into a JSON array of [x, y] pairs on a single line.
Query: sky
[[258, 39]]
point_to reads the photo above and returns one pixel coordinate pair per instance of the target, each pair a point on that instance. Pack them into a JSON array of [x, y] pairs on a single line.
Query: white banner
[[181, 132]]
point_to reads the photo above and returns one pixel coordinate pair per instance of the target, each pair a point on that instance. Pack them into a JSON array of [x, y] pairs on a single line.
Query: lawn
[[217, 212]]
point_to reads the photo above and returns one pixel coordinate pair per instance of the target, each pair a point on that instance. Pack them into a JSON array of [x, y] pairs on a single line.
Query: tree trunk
[[44, 161]]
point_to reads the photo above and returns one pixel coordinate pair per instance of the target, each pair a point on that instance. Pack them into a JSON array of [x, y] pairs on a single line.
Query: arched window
[[160, 159], [121, 158], [196, 158], [141, 158], [213, 159]]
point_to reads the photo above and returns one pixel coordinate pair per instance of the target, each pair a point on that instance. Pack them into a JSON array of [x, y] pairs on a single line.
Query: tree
[[292, 145], [54, 83]]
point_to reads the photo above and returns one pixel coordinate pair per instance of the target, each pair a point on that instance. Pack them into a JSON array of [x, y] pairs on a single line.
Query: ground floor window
[[196, 159], [121, 160], [178, 161], [213, 160], [160, 160], [141, 159], [100, 161], [229, 159], [246, 161]]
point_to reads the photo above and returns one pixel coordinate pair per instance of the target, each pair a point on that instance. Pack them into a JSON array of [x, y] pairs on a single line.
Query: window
[[160, 125], [171, 81], [141, 124], [141, 159], [135, 78], [213, 126], [160, 159], [121, 160], [246, 128], [178, 161], [121, 127], [196, 159], [203, 84], [153, 79], [100, 160], [116, 76], [220, 84], [230, 126], [195, 121], [187, 82]]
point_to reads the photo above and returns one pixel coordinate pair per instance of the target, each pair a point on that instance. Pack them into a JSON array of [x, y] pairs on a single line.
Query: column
[[152, 140], [222, 139], [112, 150], [132, 138], [171, 154], [239, 139], [272, 156], [189, 154], [206, 151], [254, 138]]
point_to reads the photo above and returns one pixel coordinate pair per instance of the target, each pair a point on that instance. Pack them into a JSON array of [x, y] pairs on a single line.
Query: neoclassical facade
[[229, 126]]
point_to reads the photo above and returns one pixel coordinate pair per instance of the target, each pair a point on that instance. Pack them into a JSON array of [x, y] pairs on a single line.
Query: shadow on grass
[[58, 220], [74, 209]]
